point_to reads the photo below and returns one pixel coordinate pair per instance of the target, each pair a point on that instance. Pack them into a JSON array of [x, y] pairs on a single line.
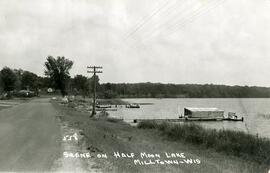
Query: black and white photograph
[[135, 86]]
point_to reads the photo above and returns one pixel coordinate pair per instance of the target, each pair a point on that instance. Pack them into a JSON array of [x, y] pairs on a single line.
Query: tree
[[18, 83], [44, 82], [8, 78], [58, 71], [109, 91], [29, 81], [1, 84], [81, 84]]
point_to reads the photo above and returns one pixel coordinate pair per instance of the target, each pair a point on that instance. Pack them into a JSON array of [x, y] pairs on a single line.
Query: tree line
[[159, 90], [57, 76]]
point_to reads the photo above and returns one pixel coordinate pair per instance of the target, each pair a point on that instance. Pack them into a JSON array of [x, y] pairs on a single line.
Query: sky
[[167, 41]]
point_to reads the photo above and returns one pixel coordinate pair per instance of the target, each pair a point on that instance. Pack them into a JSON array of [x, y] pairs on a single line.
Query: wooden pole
[[94, 93], [94, 97]]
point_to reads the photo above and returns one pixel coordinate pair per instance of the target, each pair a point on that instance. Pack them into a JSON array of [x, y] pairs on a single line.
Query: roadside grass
[[230, 142]]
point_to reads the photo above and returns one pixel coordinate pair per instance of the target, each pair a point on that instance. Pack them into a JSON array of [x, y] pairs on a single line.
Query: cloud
[[137, 41]]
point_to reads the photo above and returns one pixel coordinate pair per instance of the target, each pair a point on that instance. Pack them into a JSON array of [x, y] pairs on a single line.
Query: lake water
[[256, 112]]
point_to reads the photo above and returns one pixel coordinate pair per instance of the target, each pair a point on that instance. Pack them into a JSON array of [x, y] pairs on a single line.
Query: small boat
[[103, 106], [133, 105], [233, 119]]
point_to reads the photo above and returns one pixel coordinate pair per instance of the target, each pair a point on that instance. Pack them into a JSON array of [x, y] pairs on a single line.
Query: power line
[[196, 15], [189, 18], [185, 13], [169, 11], [186, 19], [142, 40], [147, 19]]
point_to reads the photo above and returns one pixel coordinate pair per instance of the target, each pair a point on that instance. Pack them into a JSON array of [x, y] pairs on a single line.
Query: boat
[[133, 105], [233, 117], [103, 106]]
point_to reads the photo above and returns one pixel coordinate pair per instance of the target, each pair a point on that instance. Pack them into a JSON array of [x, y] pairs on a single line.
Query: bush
[[71, 104]]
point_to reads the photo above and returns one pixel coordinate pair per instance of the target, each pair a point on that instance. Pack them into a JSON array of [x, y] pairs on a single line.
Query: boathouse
[[204, 113]]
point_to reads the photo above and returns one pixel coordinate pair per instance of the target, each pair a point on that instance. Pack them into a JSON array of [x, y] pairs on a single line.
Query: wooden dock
[[189, 119]]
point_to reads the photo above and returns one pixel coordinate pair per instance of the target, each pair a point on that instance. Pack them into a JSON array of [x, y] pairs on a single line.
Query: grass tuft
[[235, 143], [147, 124], [114, 120]]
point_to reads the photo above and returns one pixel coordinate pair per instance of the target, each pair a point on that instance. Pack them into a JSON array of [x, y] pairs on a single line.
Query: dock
[[182, 119]]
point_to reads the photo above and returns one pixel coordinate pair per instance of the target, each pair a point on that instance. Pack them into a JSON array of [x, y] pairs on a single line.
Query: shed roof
[[204, 109]]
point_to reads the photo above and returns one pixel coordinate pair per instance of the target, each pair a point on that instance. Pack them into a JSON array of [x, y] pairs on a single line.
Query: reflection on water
[[256, 112]]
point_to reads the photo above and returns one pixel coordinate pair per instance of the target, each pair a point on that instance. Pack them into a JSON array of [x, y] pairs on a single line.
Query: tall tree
[[8, 78], [29, 80], [18, 83], [58, 71], [1, 84], [81, 84]]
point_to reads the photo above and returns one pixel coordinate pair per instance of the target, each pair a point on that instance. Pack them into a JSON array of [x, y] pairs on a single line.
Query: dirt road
[[30, 137]]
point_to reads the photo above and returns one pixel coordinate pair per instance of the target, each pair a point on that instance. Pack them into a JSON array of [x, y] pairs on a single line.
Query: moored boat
[[233, 119], [103, 106], [133, 105]]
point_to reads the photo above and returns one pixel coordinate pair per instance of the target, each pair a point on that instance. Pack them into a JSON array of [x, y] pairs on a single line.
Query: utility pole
[[94, 71]]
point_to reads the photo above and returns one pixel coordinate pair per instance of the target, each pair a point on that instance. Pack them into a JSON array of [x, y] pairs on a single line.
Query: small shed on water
[[204, 113]]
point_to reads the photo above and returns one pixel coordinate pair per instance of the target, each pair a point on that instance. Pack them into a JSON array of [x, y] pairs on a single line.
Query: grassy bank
[[235, 143]]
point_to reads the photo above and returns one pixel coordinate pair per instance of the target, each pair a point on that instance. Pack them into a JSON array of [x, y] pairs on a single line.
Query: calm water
[[256, 112]]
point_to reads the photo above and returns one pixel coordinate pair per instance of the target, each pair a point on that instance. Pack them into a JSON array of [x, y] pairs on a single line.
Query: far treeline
[[57, 77]]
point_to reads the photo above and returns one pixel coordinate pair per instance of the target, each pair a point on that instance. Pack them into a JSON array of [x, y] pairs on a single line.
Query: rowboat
[[133, 105]]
